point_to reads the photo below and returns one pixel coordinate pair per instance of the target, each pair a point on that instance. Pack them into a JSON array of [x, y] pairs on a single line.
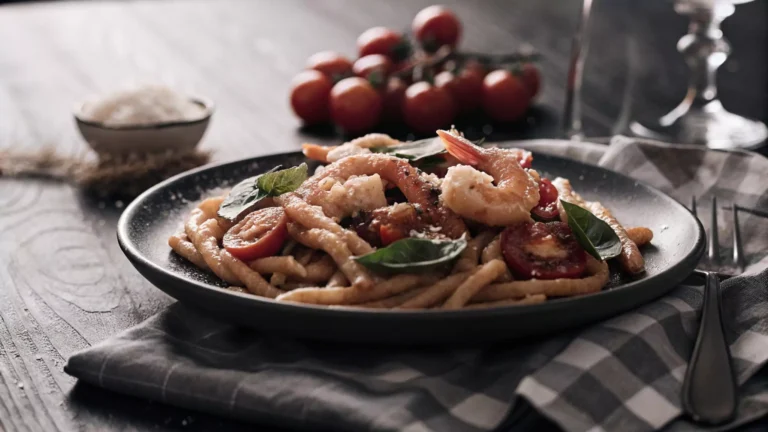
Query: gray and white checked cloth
[[623, 374]]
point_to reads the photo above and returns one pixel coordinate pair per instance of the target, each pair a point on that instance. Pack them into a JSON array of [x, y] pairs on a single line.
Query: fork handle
[[709, 389]]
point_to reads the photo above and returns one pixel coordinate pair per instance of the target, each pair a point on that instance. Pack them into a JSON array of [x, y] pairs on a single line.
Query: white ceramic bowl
[[157, 137]]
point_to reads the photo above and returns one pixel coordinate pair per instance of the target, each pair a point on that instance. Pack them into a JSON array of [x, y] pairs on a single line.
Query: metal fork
[[709, 388]]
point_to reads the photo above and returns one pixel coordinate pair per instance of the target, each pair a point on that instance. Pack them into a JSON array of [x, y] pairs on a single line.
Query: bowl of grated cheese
[[146, 119]]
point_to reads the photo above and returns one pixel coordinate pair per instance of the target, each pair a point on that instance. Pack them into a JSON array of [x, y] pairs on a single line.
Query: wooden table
[[65, 285]]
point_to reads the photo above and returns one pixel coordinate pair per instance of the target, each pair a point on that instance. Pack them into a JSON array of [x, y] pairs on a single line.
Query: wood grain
[[65, 285]]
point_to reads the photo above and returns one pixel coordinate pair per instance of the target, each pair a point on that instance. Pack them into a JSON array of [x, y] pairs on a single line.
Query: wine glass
[[700, 118]]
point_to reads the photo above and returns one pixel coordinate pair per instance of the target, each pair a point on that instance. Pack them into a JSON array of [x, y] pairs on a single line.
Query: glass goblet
[[700, 118]]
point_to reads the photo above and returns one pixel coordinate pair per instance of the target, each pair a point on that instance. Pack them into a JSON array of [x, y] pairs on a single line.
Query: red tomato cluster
[[379, 88]]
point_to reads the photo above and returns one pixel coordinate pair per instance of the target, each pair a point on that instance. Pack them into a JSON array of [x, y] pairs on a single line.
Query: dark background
[[65, 285]]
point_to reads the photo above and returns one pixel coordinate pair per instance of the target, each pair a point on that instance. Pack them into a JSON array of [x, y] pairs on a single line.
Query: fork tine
[[693, 205], [738, 252], [714, 247], [754, 211]]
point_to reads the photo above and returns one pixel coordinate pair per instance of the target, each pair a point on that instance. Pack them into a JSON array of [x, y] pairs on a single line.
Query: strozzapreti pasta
[[438, 224]]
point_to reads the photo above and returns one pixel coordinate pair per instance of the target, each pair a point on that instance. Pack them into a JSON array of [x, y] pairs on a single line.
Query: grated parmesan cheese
[[145, 105]]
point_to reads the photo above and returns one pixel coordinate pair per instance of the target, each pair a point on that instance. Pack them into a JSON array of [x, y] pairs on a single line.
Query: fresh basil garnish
[[412, 255], [414, 150], [246, 194], [284, 181], [594, 235]]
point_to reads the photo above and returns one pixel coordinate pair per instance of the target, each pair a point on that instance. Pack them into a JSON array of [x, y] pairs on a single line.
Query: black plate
[[149, 220]]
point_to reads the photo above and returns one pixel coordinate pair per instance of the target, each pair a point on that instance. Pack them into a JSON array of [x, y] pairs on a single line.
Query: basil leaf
[[412, 255], [414, 150], [280, 182], [594, 235], [246, 194]]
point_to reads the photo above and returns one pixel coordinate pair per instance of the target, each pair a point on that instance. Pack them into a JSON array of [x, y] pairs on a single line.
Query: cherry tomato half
[[355, 105], [531, 78], [393, 98], [466, 88], [435, 26], [378, 40], [427, 108], [331, 63], [542, 251], [364, 66], [310, 91], [505, 97], [546, 210], [260, 234]]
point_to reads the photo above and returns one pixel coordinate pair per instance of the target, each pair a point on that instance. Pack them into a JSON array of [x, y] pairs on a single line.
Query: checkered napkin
[[623, 374]]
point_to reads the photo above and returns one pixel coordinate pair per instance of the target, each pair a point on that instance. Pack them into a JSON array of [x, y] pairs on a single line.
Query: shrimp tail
[[316, 151], [461, 148]]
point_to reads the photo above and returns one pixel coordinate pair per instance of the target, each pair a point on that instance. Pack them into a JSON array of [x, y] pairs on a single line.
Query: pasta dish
[[440, 223]]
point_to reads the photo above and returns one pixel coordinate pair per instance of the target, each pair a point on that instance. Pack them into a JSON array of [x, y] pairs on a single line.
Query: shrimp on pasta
[[455, 226], [492, 188]]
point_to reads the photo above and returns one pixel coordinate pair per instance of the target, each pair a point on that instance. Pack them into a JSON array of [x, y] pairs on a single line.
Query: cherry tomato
[[390, 234], [542, 251], [547, 192], [385, 225], [435, 26], [525, 158], [379, 40], [393, 98], [355, 105], [427, 108], [466, 88], [532, 78], [310, 91], [331, 63], [401, 66], [546, 210], [505, 97], [370, 63], [476, 67], [260, 234]]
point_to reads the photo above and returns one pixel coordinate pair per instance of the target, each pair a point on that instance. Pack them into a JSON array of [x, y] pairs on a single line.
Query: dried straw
[[107, 175]]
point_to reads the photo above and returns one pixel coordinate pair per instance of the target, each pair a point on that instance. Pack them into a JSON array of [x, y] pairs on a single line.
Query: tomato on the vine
[[331, 63], [427, 108], [402, 66], [260, 234], [393, 98], [379, 40], [531, 77], [542, 251], [475, 67], [505, 96], [466, 88], [435, 26], [355, 105], [378, 63], [310, 91]]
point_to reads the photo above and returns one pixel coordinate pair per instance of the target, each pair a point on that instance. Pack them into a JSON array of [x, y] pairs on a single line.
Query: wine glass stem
[[572, 126], [704, 49]]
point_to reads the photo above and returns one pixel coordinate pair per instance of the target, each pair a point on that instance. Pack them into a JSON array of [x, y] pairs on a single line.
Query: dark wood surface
[[65, 285]]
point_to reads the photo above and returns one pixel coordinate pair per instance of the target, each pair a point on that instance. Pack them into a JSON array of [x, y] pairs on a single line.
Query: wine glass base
[[710, 125]]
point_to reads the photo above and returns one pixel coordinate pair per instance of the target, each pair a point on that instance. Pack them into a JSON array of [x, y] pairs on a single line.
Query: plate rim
[[136, 258]]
